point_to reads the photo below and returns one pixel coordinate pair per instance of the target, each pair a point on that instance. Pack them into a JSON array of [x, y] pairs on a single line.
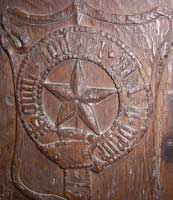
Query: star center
[[77, 99]]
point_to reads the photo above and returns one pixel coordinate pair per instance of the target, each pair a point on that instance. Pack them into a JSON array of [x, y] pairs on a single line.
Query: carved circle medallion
[[83, 97], [82, 92]]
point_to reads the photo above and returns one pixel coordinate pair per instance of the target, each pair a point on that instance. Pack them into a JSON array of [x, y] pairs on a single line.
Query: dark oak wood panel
[[86, 100]]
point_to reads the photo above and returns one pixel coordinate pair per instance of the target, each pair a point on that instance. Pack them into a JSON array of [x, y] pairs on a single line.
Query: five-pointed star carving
[[77, 99]]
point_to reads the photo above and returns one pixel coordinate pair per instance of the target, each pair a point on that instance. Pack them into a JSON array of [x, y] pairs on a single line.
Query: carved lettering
[[127, 71], [135, 89], [27, 97], [101, 49], [134, 112], [63, 41]]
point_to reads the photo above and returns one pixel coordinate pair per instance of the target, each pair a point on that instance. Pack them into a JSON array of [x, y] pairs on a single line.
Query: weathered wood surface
[[86, 99]]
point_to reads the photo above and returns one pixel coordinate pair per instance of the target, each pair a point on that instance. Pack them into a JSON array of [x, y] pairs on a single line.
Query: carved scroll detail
[[19, 38]]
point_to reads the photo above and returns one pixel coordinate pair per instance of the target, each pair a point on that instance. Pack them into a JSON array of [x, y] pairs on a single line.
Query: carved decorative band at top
[[76, 11], [80, 8]]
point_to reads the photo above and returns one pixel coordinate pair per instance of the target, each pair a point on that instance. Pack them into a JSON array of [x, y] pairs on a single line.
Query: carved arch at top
[[77, 11]]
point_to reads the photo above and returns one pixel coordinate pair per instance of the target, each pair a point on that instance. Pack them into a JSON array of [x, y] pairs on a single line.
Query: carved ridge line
[[116, 18], [78, 8], [33, 19]]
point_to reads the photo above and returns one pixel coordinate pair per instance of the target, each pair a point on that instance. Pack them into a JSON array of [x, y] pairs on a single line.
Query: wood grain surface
[[86, 99]]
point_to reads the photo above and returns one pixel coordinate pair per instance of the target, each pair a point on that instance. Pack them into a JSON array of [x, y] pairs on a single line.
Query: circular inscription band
[[83, 97]]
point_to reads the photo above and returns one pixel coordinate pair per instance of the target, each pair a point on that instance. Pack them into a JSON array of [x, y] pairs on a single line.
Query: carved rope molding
[[16, 42]]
